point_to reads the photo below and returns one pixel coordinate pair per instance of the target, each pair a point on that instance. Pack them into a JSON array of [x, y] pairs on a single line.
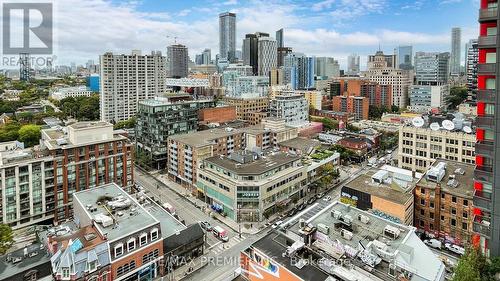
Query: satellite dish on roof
[[448, 125], [418, 122], [467, 129], [435, 126]]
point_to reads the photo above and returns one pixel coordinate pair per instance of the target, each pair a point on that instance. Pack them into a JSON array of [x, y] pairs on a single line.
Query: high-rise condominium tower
[[455, 51], [486, 220], [128, 79], [227, 36]]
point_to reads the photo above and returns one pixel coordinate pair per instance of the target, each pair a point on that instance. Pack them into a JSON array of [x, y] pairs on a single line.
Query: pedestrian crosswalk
[[226, 245]]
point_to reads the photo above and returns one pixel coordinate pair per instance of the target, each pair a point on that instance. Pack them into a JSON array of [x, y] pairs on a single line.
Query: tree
[[10, 131], [130, 123], [6, 238], [30, 135], [456, 97], [473, 266]]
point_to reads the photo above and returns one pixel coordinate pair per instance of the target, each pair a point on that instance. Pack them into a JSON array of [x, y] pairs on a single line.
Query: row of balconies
[[489, 14]]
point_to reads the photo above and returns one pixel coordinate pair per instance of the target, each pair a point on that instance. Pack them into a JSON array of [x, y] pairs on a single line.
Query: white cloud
[[322, 5], [85, 29]]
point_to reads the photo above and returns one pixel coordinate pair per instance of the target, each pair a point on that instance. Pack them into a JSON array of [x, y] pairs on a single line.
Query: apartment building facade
[[291, 107], [127, 79], [37, 183], [419, 147], [245, 107], [443, 201], [355, 105], [159, 118]]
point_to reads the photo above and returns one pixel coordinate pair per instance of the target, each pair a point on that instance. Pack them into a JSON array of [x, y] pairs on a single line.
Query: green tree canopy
[[6, 238], [10, 131], [456, 97], [30, 135]]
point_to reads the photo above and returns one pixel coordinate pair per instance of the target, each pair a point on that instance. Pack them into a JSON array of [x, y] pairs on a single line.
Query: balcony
[[485, 121], [486, 68], [481, 225], [484, 148], [486, 95], [489, 14], [482, 200], [487, 41], [484, 173]]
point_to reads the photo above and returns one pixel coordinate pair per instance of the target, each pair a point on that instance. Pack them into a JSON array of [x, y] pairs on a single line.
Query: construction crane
[[175, 38]]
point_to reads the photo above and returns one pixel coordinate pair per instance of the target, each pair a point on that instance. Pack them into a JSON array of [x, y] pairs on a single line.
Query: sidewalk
[[182, 191]]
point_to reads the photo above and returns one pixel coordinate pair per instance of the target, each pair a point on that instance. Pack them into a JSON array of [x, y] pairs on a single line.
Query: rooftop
[[202, 138], [274, 245], [305, 145], [453, 177], [116, 212], [169, 224], [393, 186], [257, 166], [382, 241], [173, 99], [24, 259]]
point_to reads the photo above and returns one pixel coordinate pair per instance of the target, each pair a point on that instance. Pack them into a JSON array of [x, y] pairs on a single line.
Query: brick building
[[221, 114], [247, 106], [355, 105], [443, 201]]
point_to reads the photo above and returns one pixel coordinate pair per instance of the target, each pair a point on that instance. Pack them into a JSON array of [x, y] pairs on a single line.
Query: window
[[422, 212], [466, 202], [464, 226], [431, 204], [454, 199], [453, 211], [118, 250], [422, 190], [154, 234], [421, 223], [491, 31], [143, 239], [442, 195], [131, 244], [491, 57], [491, 83], [453, 222], [442, 218], [431, 215], [92, 266], [465, 215], [422, 202], [65, 272]]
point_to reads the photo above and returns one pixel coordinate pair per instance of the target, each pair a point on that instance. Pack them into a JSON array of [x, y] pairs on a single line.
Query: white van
[[434, 243], [454, 248], [169, 208]]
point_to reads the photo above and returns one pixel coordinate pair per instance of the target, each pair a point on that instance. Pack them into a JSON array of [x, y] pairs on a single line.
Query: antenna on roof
[[418, 122], [448, 125]]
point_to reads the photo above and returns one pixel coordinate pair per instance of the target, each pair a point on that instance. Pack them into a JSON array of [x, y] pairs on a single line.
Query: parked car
[[206, 225], [302, 206], [292, 212], [277, 224], [311, 200], [327, 198], [320, 195], [454, 248], [434, 243]]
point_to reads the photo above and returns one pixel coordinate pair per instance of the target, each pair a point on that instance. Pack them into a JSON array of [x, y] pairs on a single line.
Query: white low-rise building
[[79, 91]]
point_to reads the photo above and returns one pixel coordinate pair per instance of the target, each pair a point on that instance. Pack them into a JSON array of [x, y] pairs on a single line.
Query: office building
[[405, 57], [357, 106], [326, 67], [38, 182], [471, 59], [251, 50], [93, 82], [24, 67], [299, 71], [432, 68], [443, 201], [280, 38], [128, 79], [227, 37], [456, 43], [248, 108], [159, 118], [177, 59], [282, 53], [486, 221], [314, 98], [420, 146], [353, 64], [240, 69], [386, 192], [187, 151], [291, 107], [206, 56], [267, 55], [277, 77], [424, 98], [74, 92], [382, 61], [244, 86], [399, 80]]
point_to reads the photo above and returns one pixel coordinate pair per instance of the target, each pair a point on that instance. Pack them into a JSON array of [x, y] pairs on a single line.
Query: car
[[302, 206], [327, 198], [454, 248], [320, 195], [292, 212], [206, 225], [277, 224], [434, 243], [311, 200]]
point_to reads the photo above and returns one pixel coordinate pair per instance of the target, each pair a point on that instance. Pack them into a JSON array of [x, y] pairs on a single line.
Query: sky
[[86, 29]]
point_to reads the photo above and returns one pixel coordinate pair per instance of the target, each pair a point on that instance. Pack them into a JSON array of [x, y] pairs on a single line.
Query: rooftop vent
[[452, 183], [459, 171], [436, 174]]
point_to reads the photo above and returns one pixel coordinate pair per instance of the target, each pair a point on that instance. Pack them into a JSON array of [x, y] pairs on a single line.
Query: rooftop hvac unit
[[364, 219], [336, 214], [323, 228], [346, 234], [302, 223], [391, 232]]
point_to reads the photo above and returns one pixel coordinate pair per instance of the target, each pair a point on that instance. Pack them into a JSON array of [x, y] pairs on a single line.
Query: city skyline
[[325, 28]]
